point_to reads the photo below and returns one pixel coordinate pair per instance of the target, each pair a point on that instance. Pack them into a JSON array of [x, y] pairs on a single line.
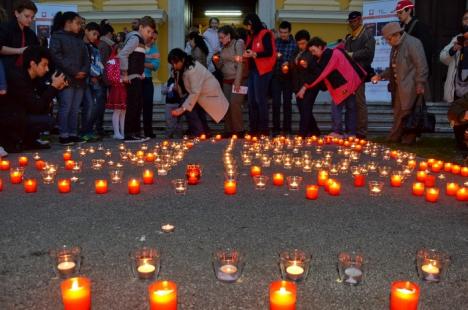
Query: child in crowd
[[70, 56], [132, 65], [173, 101], [117, 99]]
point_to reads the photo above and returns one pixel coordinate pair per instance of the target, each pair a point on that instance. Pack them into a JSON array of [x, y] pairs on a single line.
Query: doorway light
[[223, 13]]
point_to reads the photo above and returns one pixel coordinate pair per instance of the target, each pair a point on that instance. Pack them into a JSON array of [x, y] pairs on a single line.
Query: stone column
[[267, 12], [176, 23]]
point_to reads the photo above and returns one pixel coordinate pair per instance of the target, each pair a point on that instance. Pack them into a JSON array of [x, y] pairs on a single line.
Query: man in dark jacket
[[24, 111], [16, 35], [414, 27], [302, 66], [360, 45]]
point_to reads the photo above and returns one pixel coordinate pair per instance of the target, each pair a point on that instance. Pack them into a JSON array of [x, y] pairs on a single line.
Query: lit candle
[[163, 295], [67, 156], [133, 187], [322, 178], [418, 189], [430, 271], [423, 166], [100, 186], [436, 167], [404, 295], [23, 161], [448, 167], [76, 293], [230, 187], [16, 176], [193, 174], [69, 164], [412, 163], [146, 270], [283, 295], [430, 180], [421, 176], [295, 272], [218, 137], [451, 189], [148, 177], [432, 194], [278, 179], [255, 171], [64, 186], [4, 165], [456, 169], [167, 228], [1, 185], [334, 188], [66, 267], [464, 171], [395, 180], [462, 194], [150, 157], [359, 180], [30, 186], [40, 165], [312, 192]]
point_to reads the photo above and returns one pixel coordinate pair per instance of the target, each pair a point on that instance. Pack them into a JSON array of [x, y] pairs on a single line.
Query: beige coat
[[411, 70], [204, 89], [452, 63]]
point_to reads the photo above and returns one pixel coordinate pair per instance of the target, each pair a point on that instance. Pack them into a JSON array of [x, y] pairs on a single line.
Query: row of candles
[[228, 265]]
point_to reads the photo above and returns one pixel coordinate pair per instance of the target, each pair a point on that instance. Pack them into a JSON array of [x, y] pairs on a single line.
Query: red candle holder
[[359, 180], [312, 192], [278, 179], [334, 188], [64, 186], [40, 165], [100, 186], [418, 189], [76, 293], [230, 187], [148, 177], [255, 171], [23, 161], [16, 175], [133, 187], [163, 295], [432, 194], [322, 178], [193, 174], [451, 189], [404, 295], [396, 179], [30, 186], [67, 156], [4, 165], [462, 194], [283, 295], [430, 180]]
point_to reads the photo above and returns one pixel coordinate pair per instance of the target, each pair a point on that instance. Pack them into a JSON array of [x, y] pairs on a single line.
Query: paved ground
[[388, 229]]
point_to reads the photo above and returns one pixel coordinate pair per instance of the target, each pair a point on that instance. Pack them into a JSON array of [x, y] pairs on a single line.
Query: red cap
[[404, 4]]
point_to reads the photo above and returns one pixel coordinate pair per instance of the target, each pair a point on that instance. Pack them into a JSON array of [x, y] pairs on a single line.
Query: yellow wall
[[163, 44]]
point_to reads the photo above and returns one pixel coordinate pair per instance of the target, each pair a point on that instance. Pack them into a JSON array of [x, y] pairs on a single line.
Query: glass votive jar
[[294, 182], [228, 265], [48, 177], [145, 263], [230, 174], [277, 159], [298, 162], [260, 181], [351, 267], [97, 164], [116, 176], [294, 265], [375, 188], [334, 170], [66, 260], [77, 166], [180, 186], [432, 265], [372, 166], [266, 161], [384, 171]]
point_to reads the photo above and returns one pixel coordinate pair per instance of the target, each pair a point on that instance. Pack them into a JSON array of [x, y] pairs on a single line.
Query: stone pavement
[[388, 229]]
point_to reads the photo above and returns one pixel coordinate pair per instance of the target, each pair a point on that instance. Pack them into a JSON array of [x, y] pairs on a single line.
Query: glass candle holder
[[66, 261], [47, 177], [384, 171], [180, 186], [193, 174], [334, 170], [432, 264], [228, 265], [260, 181], [372, 166], [294, 182], [145, 263], [376, 188], [294, 265], [266, 161], [97, 164], [116, 176], [351, 267]]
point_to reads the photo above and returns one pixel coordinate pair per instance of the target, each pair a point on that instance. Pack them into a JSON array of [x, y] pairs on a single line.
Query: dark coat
[[301, 75], [11, 36], [362, 47], [70, 55]]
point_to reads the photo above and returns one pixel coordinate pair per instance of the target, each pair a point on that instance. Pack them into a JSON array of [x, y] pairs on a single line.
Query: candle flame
[[163, 292], [75, 285]]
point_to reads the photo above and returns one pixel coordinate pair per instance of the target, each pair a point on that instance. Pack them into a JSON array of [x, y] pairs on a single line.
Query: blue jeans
[[70, 100], [281, 89], [94, 106], [350, 117], [258, 102]]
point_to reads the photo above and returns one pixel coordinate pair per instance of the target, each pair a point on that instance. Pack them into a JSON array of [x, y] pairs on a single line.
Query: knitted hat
[[391, 28]]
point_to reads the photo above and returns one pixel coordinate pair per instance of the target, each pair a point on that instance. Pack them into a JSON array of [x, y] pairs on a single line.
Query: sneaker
[[3, 153], [42, 142], [143, 139], [90, 138], [65, 141], [133, 139], [76, 139], [118, 137]]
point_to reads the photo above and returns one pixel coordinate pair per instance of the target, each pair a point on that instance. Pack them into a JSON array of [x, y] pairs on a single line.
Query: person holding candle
[[235, 74], [204, 92]]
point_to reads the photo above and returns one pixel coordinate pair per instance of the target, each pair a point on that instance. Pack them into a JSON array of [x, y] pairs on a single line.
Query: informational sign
[[45, 16], [376, 14]]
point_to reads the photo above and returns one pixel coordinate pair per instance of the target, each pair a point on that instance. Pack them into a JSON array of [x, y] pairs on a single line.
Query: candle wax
[[227, 273]]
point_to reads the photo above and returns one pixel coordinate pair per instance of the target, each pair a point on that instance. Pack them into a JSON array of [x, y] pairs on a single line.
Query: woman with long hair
[[203, 92], [200, 49], [70, 56], [261, 53]]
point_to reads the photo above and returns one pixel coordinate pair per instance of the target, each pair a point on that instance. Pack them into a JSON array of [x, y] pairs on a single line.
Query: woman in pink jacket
[[342, 77]]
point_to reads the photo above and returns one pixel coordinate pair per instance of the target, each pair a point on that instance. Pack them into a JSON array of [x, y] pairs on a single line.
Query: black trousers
[[134, 108], [148, 94], [308, 124]]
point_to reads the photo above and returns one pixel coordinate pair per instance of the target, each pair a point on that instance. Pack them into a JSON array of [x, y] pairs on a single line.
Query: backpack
[[112, 68]]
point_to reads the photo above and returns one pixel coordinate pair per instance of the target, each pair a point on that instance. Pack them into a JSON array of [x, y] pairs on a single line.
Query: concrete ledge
[[312, 16], [160, 16]]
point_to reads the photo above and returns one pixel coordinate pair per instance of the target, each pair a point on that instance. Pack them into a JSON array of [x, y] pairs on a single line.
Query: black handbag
[[419, 121]]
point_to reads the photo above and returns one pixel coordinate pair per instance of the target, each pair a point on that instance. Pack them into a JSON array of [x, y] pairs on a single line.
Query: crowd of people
[[89, 67]]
